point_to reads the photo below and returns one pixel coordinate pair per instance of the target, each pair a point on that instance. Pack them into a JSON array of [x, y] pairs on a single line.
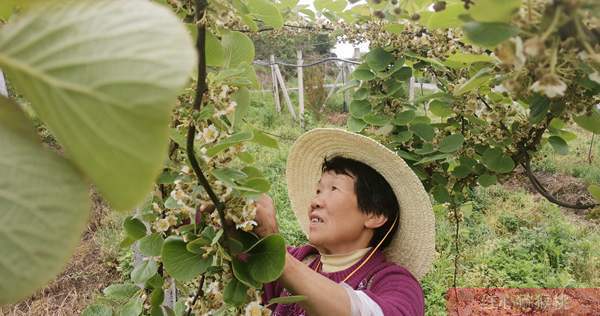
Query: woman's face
[[336, 223]]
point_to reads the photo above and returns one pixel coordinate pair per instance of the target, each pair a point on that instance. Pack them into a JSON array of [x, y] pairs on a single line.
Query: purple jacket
[[391, 286]]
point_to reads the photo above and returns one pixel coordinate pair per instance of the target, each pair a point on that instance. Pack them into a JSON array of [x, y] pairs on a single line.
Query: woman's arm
[[324, 297]]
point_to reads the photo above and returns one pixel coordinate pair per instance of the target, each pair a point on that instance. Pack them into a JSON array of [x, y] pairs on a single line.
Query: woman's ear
[[375, 221]]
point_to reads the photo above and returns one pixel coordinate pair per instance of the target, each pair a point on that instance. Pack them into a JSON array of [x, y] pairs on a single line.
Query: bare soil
[[563, 187], [86, 274]]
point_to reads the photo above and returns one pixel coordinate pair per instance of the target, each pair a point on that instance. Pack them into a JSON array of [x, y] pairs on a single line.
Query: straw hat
[[413, 245]]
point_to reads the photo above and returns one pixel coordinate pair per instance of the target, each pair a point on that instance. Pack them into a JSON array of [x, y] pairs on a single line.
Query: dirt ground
[[86, 274], [565, 188]]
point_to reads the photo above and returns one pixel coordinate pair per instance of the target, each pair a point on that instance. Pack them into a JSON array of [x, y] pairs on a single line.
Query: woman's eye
[[318, 191], [333, 188]]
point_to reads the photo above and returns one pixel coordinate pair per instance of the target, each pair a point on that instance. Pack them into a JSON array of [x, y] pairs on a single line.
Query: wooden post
[[275, 88], [286, 96], [333, 88], [300, 88], [3, 89], [345, 71]]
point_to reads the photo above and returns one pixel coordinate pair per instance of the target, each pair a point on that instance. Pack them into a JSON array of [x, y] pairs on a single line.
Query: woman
[[369, 223]]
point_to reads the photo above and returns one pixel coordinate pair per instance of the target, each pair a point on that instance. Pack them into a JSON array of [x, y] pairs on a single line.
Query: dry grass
[[86, 274]]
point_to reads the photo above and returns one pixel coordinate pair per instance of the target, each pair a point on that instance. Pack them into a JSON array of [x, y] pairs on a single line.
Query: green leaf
[[235, 292], [291, 299], [228, 142], [134, 228], [265, 11], [376, 119], [494, 10], [489, 34], [144, 271], [405, 117], [132, 308], [559, 145], [447, 18], [378, 59], [426, 149], [495, 160], [451, 143], [151, 245], [157, 297], [425, 131], [215, 55], [195, 246], [361, 94], [241, 271], [267, 258], [242, 98], [355, 125], [246, 157], [460, 60], [359, 108], [403, 74], [121, 292], [107, 101], [238, 49], [180, 263], [362, 74], [44, 205], [487, 179], [394, 28], [539, 106], [228, 175], [589, 122], [97, 310], [254, 185], [440, 108], [595, 192], [440, 194], [262, 138], [479, 79]]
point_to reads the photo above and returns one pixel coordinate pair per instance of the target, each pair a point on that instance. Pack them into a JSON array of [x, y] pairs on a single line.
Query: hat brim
[[413, 245]]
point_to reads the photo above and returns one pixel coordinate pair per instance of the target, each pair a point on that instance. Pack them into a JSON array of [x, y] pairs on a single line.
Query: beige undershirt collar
[[339, 262]]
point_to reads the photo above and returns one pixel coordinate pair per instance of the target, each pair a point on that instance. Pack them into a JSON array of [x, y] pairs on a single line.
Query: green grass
[[508, 239], [576, 162]]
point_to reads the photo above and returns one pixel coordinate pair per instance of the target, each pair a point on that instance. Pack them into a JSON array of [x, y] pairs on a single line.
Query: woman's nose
[[315, 202]]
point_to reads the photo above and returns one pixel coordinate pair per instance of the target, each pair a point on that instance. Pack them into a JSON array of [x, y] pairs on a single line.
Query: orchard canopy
[[147, 101]]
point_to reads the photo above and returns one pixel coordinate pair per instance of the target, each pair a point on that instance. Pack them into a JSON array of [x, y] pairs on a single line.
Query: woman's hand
[[265, 217]]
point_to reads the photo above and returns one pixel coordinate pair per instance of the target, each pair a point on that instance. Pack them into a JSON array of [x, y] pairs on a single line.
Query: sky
[[342, 50]]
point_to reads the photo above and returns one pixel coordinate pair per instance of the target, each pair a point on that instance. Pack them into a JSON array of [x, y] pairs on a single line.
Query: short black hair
[[374, 194]]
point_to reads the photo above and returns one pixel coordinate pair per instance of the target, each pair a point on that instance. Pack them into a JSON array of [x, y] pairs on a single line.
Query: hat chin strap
[[372, 252]]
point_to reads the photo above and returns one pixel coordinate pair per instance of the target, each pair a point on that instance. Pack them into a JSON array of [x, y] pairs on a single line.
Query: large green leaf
[[451, 143], [359, 108], [97, 310], [180, 263], [559, 145], [144, 271], [378, 59], [355, 124], [589, 122], [488, 34], [151, 245], [449, 17], [425, 131], [480, 78], [134, 228], [495, 160], [103, 76], [235, 292], [238, 49], [266, 11], [44, 206], [494, 10], [267, 258], [440, 108], [121, 292], [215, 55]]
